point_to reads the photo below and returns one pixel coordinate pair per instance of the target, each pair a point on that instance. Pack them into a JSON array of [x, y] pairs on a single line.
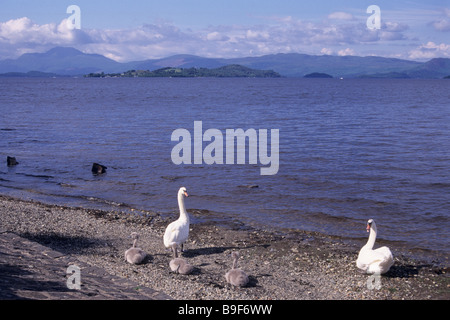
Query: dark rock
[[249, 186], [11, 161], [98, 168]]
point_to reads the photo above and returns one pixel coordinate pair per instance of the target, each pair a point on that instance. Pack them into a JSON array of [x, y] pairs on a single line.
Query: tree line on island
[[172, 72]]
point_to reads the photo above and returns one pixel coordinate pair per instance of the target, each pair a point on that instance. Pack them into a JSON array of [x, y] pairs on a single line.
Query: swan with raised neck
[[177, 231], [372, 261]]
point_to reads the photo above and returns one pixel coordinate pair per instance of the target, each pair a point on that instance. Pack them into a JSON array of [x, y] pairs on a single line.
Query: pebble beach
[[287, 265]]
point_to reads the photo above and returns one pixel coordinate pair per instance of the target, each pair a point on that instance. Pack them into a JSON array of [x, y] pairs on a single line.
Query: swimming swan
[[177, 232], [236, 277], [135, 255], [376, 261]]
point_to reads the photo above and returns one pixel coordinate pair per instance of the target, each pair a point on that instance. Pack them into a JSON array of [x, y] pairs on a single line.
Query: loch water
[[349, 150]]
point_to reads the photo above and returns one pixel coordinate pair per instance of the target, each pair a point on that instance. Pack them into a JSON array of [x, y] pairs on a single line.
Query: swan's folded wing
[[382, 260], [384, 252], [369, 257], [362, 264], [171, 234]]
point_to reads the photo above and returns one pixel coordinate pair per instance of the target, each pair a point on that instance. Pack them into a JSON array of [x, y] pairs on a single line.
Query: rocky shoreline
[[295, 265]]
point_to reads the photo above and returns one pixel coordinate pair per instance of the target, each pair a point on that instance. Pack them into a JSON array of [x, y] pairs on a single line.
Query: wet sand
[[288, 265]]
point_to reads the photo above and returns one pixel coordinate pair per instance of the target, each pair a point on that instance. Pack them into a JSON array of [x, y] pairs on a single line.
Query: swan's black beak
[[368, 227]]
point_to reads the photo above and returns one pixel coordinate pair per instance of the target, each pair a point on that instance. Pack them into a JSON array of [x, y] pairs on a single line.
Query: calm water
[[350, 150]]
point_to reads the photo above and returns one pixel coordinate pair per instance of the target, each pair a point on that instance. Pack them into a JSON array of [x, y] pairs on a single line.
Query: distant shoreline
[[45, 75]]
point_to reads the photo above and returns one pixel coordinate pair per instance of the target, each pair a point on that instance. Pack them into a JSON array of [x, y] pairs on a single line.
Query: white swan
[[180, 266], [135, 255], [177, 232], [376, 261], [236, 277]]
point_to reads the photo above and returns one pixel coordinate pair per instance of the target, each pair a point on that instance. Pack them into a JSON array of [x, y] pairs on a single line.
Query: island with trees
[[318, 75], [172, 72]]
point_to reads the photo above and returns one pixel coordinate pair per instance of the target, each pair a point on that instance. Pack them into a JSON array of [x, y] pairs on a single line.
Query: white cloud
[[339, 15], [216, 36], [19, 35], [24, 30], [394, 26], [443, 23], [282, 34], [326, 51], [346, 52], [430, 50], [23, 35], [257, 35]]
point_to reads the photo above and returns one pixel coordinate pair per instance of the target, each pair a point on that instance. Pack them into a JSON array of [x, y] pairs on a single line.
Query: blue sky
[[143, 29]]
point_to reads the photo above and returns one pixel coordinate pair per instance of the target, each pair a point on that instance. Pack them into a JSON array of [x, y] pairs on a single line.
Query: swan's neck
[[371, 241], [183, 212], [134, 243], [235, 259]]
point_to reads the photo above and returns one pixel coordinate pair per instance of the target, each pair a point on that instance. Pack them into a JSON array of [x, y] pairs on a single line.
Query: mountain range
[[67, 61]]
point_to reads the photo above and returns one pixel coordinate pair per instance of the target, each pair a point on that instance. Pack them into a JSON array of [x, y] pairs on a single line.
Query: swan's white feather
[[176, 232]]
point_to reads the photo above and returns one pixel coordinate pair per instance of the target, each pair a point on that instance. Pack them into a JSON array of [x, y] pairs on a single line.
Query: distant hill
[[221, 72], [318, 75], [62, 61], [435, 68], [29, 74], [70, 61], [299, 65], [178, 61]]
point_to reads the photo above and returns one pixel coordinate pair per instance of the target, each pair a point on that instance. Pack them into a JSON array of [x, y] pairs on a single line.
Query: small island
[[171, 72], [318, 75], [447, 77]]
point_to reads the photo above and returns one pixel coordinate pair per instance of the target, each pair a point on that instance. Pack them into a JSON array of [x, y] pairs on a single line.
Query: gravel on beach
[[288, 265]]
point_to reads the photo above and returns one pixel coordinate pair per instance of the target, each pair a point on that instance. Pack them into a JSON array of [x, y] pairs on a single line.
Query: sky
[[148, 29]]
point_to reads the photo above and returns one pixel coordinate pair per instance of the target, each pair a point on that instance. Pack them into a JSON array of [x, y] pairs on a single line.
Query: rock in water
[[11, 161], [98, 168]]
